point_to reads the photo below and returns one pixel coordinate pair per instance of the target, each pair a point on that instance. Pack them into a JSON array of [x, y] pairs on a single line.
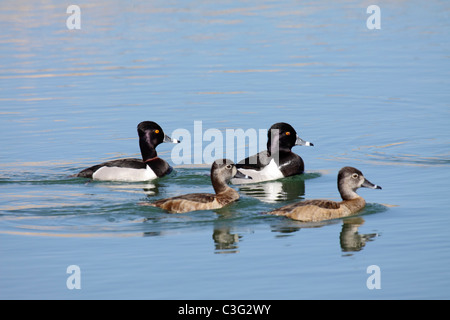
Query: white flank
[[270, 172], [124, 174]]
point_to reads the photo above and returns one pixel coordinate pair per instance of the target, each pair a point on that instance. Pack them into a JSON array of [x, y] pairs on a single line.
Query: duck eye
[[355, 175], [229, 166], [156, 131], [288, 133]]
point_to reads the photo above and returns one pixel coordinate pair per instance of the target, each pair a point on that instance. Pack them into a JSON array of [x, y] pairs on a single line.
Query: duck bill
[[168, 139], [240, 175], [300, 142], [368, 184]]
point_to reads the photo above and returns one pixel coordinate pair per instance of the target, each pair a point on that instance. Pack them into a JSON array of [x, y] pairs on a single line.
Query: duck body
[[319, 210], [131, 169], [198, 201], [265, 167], [349, 180], [221, 172], [278, 161]]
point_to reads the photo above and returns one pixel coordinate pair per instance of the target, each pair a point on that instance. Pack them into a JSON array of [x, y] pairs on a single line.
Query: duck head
[[150, 136], [222, 171], [349, 180], [282, 137]]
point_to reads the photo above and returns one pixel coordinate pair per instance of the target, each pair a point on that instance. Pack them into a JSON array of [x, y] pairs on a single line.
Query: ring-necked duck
[[349, 180], [148, 168], [278, 160], [221, 172]]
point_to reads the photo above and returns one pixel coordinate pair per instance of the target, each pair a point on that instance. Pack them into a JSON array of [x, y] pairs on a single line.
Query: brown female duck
[[221, 172], [349, 180]]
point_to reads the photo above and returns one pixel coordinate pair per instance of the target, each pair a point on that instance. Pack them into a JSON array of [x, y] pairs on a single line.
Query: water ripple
[[398, 154]]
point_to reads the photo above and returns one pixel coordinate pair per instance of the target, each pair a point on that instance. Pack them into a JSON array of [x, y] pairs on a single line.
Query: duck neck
[[274, 148], [219, 184], [147, 149], [347, 193]]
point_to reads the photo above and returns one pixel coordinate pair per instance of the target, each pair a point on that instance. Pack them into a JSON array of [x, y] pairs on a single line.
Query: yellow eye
[[288, 133], [156, 131]]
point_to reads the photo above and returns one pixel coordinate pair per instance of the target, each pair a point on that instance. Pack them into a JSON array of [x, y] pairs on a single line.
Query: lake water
[[375, 99]]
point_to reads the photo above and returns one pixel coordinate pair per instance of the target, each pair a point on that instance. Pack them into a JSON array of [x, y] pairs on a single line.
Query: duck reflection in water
[[226, 238], [350, 239], [149, 188], [291, 188]]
